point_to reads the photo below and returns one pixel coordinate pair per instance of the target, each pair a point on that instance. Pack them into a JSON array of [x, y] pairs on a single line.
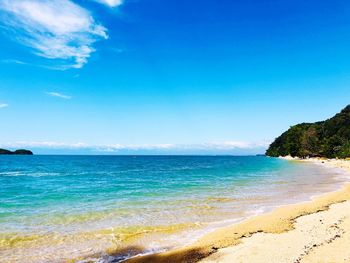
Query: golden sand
[[313, 231]]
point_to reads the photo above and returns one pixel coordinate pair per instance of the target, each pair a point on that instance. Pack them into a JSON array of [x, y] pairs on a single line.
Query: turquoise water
[[59, 208]]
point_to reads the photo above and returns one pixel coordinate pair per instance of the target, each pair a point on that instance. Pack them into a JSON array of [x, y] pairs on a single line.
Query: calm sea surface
[[107, 208]]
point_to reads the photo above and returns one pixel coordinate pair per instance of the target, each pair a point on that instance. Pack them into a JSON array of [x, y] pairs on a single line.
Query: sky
[[168, 77]]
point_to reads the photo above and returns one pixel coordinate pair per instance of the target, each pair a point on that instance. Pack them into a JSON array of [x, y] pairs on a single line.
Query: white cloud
[[54, 29], [3, 105], [44, 144], [111, 3], [223, 147], [59, 95], [229, 145]]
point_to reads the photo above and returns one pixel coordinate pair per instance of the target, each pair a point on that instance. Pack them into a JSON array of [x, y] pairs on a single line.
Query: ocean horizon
[[55, 208], [174, 131]]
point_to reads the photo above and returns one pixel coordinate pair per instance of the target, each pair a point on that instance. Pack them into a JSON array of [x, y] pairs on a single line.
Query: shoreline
[[219, 245]]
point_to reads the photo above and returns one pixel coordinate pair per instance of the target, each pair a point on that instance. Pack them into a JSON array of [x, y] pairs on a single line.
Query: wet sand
[[313, 231]]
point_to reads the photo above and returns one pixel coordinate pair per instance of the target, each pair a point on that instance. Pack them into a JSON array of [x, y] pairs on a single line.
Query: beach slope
[[313, 231]]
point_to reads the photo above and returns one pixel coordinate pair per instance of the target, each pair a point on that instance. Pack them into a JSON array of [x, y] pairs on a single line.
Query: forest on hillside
[[329, 138]]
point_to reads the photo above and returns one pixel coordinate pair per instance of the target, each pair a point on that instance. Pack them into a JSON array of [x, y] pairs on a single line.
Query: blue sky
[[155, 76]]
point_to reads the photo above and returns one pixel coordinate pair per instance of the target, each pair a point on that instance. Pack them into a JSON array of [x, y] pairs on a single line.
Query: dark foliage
[[3, 151], [17, 152], [23, 152], [330, 138]]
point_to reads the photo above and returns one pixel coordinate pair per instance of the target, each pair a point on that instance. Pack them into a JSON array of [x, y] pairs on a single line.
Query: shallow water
[[59, 208]]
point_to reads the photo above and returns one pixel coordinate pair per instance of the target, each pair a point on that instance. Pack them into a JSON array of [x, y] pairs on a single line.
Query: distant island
[[17, 152], [329, 138]]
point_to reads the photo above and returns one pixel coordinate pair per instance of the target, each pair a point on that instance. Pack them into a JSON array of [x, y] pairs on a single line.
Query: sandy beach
[[167, 131], [313, 231]]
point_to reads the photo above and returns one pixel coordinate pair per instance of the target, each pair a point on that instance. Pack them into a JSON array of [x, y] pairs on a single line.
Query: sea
[[110, 208]]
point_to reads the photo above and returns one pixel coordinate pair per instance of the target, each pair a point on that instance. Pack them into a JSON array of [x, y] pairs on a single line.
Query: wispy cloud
[[111, 3], [59, 95], [54, 29], [3, 105], [13, 61]]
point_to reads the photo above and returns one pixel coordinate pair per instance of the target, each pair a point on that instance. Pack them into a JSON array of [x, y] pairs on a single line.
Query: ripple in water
[[108, 208]]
